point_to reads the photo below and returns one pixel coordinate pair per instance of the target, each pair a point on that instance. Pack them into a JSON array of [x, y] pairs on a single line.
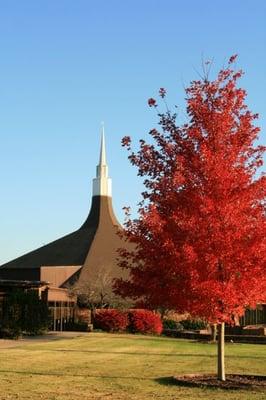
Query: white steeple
[[102, 185], [102, 160]]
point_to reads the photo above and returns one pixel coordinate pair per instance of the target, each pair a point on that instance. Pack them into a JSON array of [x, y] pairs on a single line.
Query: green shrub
[[194, 324], [76, 326], [23, 311], [171, 324]]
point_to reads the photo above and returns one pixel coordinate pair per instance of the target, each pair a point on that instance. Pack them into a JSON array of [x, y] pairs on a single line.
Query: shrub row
[[134, 321], [188, 324]]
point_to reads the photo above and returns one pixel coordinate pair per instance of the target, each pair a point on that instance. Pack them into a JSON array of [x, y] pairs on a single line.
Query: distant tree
[[98, 293], [200, 236]]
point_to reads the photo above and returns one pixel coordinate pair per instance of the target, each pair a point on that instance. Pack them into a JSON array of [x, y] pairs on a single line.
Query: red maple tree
[[199, 241]]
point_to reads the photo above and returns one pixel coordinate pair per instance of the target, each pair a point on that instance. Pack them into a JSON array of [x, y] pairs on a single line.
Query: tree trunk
[[221, 370]]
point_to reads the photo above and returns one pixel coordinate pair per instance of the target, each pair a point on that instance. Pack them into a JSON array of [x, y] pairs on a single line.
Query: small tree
[[200, 236], [98, 293]]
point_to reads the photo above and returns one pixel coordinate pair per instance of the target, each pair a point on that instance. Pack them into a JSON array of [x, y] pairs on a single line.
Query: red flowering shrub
[[144, 321], [110, 320], [135, 321]]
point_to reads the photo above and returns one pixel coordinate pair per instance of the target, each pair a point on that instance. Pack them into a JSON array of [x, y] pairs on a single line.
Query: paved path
[[8, 343]]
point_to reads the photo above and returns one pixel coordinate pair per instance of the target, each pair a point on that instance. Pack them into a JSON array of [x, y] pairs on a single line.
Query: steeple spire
[[102, 185], [103, 151]]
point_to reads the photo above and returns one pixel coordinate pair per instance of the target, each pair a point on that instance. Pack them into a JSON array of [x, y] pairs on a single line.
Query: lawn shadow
[[65, 374], [202, 355], [202, 381], [166, 381], [136, 353]]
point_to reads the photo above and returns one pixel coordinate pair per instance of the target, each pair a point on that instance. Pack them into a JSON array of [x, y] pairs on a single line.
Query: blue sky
[[68, 65]]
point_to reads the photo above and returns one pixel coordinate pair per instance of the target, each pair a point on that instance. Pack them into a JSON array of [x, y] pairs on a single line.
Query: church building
[[81, 256]]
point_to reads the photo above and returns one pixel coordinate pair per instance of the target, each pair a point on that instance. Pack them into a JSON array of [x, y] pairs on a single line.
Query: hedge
[[134, 321], [110, 320], [144, 321]]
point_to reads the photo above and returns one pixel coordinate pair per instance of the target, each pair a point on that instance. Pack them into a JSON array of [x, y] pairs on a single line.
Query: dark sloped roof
[[71, 249]]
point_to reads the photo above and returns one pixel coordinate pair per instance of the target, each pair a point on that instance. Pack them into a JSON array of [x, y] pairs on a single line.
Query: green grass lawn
[[112, 366]]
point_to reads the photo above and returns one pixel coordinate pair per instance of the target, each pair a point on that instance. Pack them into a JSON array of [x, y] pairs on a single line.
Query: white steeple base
[[102, 187]]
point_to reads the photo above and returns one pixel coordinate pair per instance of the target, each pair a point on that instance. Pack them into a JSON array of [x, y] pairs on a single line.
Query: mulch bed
[[232, 381]]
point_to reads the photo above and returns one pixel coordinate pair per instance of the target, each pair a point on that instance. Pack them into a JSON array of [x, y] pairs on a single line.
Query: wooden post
[[213, 332], [54, 315], [61, 317], [221, 370]]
